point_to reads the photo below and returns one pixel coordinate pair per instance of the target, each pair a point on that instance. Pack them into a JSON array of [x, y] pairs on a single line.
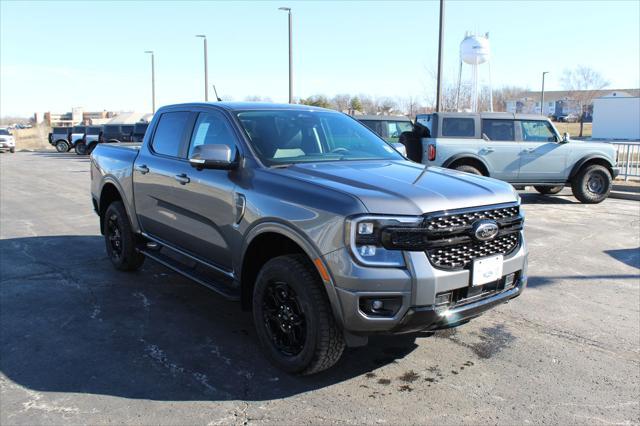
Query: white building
[[616, 116]]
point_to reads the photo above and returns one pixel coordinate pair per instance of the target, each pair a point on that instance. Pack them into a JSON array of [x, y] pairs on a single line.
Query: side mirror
[[213, 156], [400, 148], [566, 137]]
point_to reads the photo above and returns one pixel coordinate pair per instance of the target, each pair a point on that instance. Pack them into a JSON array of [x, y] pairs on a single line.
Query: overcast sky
[[56, 55]]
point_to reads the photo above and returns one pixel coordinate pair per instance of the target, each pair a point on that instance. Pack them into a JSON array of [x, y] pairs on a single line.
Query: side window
[[498, 130], [396, 128], [458, 127], [375, 126], [168, 135], [537, 131], [212, 128]]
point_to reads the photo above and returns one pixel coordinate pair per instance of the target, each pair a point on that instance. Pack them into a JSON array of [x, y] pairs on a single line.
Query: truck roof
[[382, 117], [494, 115], [245, 106]]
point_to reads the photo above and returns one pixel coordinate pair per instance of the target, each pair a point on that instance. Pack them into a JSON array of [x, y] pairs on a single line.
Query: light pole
[[206, 73], [288, 10], [542, 94], [153, 81], [440, 41]]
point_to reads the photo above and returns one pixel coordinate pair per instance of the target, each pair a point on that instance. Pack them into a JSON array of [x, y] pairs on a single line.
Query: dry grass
[[34, 139], [574, 129]]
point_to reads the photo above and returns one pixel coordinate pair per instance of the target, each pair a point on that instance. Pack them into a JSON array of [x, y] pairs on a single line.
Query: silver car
[[517, 148]]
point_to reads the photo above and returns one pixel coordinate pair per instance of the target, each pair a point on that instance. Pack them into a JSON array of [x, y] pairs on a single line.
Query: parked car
[[386, 126], [117, 133], [139, 129], [7, 141], [519, 149], [91, 139], [310, 220], [568, 118], [77, 135], [60, 138]]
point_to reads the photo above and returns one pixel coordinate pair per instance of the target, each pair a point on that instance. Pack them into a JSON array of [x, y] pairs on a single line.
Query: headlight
[[369, 240]]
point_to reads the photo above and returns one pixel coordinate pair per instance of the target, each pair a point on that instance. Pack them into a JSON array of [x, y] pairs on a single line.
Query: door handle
[[182, 178], [488, 149], [142, 169]]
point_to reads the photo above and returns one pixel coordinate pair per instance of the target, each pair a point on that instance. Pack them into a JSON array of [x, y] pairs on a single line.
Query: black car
[[139, 129], [117, 133]]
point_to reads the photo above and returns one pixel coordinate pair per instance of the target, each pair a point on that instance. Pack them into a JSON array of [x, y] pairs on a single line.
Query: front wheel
[[549, 190], [592, 184], [12, 150], [81, 148], [62, 146], [293, 318], [119, 239]]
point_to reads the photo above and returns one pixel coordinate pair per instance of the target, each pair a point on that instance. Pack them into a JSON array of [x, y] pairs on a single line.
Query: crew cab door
[[499, 148], [543, 157]]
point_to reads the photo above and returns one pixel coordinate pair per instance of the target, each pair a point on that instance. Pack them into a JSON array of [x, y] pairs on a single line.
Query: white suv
[[7, 141]]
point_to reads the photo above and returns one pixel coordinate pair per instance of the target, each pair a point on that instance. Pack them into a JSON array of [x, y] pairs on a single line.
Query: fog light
[[443, 299], [380, 306], [376, 305], [366, 251], [509, 280], [365, 228]]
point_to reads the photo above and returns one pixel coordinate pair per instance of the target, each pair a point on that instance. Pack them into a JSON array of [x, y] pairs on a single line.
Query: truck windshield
[[286, 137], [5, 132]]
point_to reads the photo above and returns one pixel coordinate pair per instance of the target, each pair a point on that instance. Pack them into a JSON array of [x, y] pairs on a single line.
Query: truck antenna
[[216, 92]]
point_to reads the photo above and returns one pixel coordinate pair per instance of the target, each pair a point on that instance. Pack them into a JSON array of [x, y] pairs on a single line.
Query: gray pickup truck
[[518, 148], [311, 221]]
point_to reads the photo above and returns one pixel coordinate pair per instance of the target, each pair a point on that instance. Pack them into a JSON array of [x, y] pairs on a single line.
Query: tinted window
[[294, 136], [498, 130], [212, 128], [140, 128], [93, 130], [168, 135], [5, 132], [60, 129], [537, 131], [375, 125], [126, 129], [111, 129], [78, 129], [458, 127], [395, 128]]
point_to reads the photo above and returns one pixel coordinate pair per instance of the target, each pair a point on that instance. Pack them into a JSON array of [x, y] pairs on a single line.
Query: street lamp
[[542, 94], [288, 10], [206, 73], [440, 58], [153, 81]]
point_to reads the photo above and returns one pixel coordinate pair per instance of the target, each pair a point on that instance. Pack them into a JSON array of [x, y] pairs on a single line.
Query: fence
[[628, 159]]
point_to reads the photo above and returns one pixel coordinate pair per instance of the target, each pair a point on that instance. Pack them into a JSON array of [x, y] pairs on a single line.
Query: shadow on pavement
[[529, 198], [62, 155], [537, 281], [629, 257], [71, 323]]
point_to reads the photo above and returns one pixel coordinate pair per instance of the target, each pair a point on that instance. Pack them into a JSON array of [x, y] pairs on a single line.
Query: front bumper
[[416, 287]]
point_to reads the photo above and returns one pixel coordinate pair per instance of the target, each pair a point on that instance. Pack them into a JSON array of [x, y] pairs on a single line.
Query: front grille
[[459, 256], [451, 245]]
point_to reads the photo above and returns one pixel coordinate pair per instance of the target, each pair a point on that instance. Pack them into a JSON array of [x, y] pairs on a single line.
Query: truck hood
[[404, 187]]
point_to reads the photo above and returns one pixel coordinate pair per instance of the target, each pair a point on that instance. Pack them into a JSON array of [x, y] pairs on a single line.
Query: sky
[[59, 55]]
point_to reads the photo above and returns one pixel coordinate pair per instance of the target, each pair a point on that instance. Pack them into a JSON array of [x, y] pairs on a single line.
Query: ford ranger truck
[[311, 221]]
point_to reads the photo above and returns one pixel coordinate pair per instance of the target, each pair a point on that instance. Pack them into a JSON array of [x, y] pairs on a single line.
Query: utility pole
[[288, 10], [206, 72], [542, 94], [153, 81], [440, 41]]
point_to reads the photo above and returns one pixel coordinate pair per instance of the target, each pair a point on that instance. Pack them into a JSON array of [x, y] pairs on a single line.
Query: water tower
[[475, 51]]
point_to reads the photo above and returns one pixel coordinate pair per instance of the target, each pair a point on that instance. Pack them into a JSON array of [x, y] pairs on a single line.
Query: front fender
[[584, 160]]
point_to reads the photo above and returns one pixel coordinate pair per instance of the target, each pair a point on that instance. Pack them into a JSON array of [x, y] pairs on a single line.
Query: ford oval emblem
[[485, 230]]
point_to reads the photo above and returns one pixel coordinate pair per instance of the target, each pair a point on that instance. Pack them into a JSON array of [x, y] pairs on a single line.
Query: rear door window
[[169, 133], [78, 129], [498, 130], [458, 127]]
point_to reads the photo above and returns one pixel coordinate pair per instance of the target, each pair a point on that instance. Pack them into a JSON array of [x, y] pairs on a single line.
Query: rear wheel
[[62, 146], [293, 317], [468, 169], [81, 148], [592, 184], [120, 241], [12, 150], [549, 190]]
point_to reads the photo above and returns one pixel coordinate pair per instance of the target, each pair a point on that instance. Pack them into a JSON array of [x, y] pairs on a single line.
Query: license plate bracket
[[486, 270]]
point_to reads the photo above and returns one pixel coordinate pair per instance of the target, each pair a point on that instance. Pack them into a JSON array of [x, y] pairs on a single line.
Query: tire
[[91, 147], [549, 190], [289, 293], [120, 241], [81, 148], [592, 184], [12, 150], [468, 169], [62, 146]]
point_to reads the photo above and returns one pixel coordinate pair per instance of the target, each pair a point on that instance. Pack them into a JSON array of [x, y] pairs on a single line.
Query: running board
[[223, 290]]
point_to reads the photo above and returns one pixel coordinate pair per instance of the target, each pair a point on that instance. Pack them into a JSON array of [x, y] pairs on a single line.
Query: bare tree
[[255, 98], [583, 84], [341, 102], [504, 94]]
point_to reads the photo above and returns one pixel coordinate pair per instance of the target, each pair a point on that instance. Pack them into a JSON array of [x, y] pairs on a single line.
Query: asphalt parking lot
[[83, 343]]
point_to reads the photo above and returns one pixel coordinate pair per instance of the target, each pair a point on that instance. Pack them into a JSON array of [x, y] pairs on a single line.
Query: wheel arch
[[109, 192], [467, 158], [588, 160], [279, 239]]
